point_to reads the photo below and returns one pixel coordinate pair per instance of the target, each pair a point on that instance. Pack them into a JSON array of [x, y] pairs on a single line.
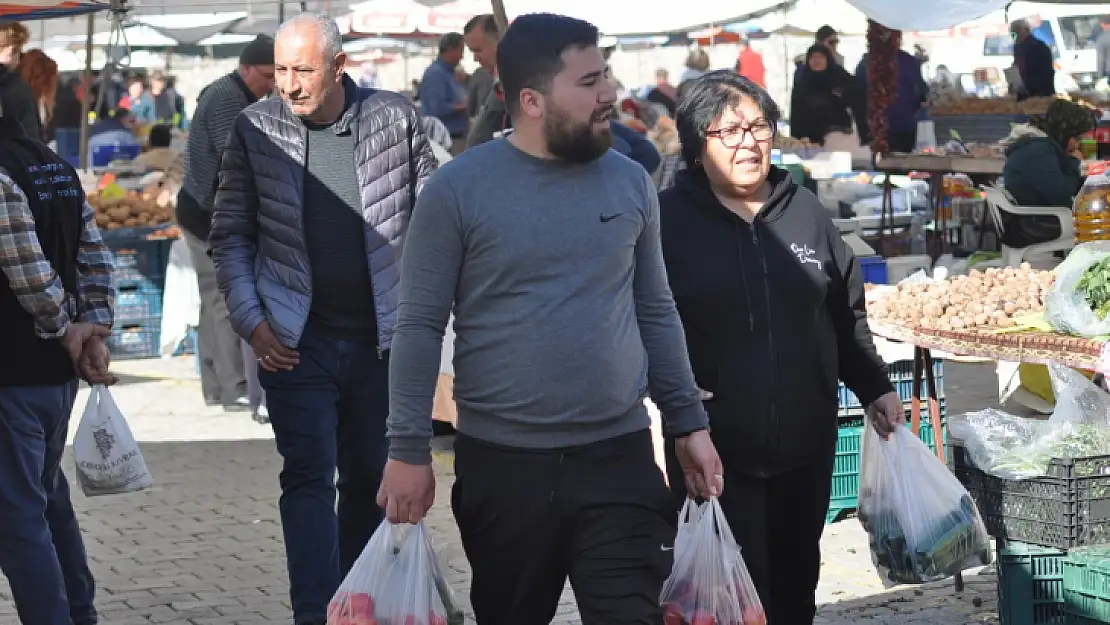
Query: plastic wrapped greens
[[1017, 448]]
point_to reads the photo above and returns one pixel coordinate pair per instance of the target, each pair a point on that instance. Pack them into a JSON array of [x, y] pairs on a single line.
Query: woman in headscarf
[[1042, 169], [40, 72], [823, 98]]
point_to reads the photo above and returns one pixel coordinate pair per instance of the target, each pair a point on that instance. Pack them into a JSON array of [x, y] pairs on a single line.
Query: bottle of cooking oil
[[1092, 206]]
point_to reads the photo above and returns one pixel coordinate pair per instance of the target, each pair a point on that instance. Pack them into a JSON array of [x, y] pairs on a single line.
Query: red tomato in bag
[[435, 619], [672, 615], [754, 616], [703, 618], [361, 604]]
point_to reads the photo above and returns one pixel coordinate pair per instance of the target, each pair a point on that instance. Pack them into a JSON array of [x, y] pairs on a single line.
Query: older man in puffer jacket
[[315, 194]]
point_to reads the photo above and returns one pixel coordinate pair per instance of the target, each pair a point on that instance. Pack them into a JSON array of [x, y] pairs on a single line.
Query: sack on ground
[[108, 458], [396, 581], [921, 523], [709, 582]]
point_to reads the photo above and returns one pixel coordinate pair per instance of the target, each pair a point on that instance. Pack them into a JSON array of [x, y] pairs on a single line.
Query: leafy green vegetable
[[1095, 286], [1082, 442]]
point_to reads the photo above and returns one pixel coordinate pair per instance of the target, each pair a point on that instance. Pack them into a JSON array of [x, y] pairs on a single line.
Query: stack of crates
[[140, 272], [845, 482], [1032, 584], [1054, 538]]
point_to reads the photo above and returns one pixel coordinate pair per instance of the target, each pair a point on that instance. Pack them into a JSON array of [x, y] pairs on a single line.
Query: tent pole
[[499, 15], [86, 93]]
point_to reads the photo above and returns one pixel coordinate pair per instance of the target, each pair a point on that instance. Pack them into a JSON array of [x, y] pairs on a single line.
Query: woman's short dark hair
[[709, 96]]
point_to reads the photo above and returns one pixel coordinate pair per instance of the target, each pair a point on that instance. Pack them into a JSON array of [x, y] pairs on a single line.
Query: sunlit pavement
[[204, 546]]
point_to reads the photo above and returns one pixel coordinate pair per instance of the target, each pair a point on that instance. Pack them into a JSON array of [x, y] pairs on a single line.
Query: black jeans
[[777, 521], [328, 412], [41, 550], [600, 514]]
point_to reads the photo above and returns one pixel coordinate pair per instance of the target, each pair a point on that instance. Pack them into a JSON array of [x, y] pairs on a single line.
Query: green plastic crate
[[1086, 572], [845, 481], [1030, 584]]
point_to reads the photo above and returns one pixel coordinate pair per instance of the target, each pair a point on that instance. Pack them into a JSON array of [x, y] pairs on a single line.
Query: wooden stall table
[[936, 166]]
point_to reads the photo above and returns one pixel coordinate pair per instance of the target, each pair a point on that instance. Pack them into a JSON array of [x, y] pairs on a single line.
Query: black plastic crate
[[975, 128], [1069, 507]]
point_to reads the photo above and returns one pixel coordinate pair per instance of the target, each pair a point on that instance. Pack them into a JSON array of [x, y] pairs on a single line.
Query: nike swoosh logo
[[665, 548], [607, 218]]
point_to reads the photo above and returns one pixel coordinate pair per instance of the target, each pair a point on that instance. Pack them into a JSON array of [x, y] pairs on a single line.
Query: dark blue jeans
[[41, 550], [328, 412]]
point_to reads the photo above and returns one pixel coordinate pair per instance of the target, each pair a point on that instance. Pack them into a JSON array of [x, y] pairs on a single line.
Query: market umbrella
[[30, 10]]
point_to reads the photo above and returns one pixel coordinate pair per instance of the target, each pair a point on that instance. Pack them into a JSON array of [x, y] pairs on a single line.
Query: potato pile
[[993, 106], [134, 209], [988, 299]]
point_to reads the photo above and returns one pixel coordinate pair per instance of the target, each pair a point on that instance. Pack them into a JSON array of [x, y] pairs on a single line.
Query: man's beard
[[575, 142]]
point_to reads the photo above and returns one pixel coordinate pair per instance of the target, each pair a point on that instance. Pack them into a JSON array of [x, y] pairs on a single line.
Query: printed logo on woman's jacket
[[805, 254]]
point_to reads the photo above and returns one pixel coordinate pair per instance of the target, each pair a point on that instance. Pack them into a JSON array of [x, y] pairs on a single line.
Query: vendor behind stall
[[159, 155], [114, 128], [1042, 169]]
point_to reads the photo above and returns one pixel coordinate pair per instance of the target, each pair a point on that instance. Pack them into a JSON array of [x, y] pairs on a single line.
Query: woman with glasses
[[772, 303]]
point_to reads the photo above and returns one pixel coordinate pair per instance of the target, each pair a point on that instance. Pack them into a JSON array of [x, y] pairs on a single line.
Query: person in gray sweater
[[564, 323], [223, 379]]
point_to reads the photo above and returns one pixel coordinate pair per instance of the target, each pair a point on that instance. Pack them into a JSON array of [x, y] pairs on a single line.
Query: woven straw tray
[[1034, 347]]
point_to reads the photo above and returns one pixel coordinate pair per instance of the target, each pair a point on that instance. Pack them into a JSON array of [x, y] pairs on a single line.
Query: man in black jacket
[[56, 302], [315, 195], [1034, 61], [222, 378]]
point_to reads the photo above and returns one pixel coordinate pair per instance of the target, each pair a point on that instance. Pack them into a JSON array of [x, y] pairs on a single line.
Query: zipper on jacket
[[744, 281], [770, 334]]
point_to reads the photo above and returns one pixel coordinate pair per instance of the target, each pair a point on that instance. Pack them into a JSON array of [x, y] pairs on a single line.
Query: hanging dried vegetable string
[[882, 82]]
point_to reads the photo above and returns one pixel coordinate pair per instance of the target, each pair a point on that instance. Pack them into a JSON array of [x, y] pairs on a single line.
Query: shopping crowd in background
[[631, 247]]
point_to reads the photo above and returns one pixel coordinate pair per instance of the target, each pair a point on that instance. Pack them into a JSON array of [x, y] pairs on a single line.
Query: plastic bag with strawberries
[[396, 581], [709, 583]]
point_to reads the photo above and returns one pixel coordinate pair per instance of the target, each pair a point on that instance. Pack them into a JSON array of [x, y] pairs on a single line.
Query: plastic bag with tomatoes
[[709, 584], [396, 581], [921, 523]]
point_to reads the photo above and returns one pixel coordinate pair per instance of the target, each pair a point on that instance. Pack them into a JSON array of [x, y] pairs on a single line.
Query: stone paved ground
[[204, 546]]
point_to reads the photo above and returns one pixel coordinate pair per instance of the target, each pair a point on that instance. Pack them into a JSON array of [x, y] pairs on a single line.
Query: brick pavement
[[204, 546]]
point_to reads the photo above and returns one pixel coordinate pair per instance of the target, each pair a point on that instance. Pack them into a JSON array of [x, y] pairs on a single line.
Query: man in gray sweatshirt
[[564, 323]]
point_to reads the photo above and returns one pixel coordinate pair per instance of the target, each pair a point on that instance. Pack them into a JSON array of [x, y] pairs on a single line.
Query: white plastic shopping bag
[[108, 458], [709, 582], [395, 581], [921, 523]]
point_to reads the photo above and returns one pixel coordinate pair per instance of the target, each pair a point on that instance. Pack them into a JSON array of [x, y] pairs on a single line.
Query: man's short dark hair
[[487, 23], [1104, 20], [160, 136], [531, 52], [709, 96], [450, 41]]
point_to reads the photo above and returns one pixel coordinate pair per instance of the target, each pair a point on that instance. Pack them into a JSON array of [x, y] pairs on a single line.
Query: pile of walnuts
[[981, 299]]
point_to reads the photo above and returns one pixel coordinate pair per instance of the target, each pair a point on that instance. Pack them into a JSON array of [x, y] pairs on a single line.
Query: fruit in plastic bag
[[709, 584], [395, 581]]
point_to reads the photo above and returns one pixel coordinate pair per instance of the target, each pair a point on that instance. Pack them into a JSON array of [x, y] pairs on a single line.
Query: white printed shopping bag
[[108, 458]]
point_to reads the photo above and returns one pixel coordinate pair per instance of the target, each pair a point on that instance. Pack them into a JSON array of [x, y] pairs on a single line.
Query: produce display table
[[1032, 347], [935, 165]]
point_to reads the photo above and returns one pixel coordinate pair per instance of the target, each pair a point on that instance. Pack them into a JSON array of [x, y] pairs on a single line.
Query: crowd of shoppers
[[328, 243]]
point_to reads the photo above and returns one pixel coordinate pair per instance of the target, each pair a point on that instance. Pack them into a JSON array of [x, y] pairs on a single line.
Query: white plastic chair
[[999, 200]]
